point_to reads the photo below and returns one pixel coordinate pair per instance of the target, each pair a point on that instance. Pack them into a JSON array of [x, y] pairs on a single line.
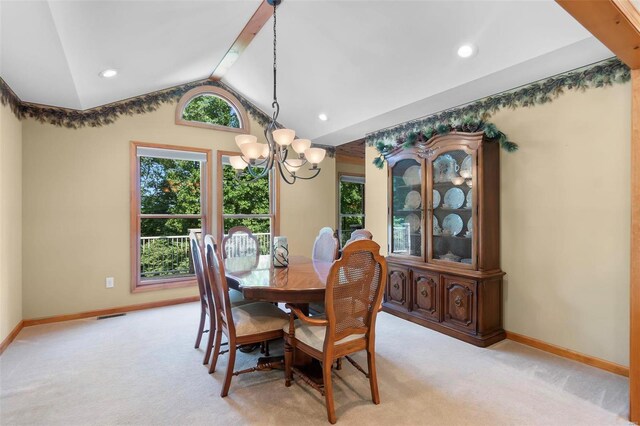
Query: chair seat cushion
[[236, 298], [313, 335], [258, 317]]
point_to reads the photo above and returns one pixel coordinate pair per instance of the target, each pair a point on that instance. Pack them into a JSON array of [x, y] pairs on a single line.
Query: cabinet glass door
[[407, 208], [452, 207]]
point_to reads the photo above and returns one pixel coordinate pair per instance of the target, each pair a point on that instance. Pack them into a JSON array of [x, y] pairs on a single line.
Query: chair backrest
[[360, 234], [196, 257], [325, 247], [354, 291], [219, 288], [240, 242]]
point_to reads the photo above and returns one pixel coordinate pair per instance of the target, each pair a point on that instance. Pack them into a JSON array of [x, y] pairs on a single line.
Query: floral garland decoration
[[474, 116]]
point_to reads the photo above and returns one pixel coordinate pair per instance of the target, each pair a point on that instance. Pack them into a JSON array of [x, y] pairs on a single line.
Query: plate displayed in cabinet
[[413, 200], [413, 221], [467, 261], [466, 169], [469, 199], [470, 225], [454, 198], [444, 168], [412, 176], [452, 223], [436, 199], [436, 226]]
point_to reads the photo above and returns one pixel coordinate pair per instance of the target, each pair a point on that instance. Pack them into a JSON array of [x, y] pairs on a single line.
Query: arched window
[[213, 108]]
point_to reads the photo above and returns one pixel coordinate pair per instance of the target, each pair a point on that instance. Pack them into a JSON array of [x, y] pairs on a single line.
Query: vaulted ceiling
[[366, 64]]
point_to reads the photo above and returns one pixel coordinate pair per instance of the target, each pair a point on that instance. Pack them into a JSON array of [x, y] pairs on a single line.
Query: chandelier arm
[[284, 177], [317, 172]]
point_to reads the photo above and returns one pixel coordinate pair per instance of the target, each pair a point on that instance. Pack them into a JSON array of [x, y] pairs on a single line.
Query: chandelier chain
[[275, 98]]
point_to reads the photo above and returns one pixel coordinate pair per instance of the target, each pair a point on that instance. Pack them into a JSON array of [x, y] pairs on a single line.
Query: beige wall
[[10, 221], [565, 220], [76, 209], [343, 167]]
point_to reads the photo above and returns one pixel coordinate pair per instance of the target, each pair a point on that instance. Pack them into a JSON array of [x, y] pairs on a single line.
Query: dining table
[[302, 282]]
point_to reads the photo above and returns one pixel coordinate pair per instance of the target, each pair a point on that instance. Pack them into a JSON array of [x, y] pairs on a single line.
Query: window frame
[[213, 91], [135, 216], [274, 205], [339, 206]]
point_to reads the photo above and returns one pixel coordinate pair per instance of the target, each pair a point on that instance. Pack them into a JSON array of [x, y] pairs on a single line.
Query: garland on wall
[[473, 117], [108, 114]]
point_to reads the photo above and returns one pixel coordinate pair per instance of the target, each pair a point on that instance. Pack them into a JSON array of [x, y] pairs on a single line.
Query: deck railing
[[171, 255]]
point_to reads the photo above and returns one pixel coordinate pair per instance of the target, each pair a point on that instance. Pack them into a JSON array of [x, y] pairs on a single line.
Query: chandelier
[[258, 159]]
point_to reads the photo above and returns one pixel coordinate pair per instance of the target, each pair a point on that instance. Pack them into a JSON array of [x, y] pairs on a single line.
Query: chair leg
[[339, 364], [216, 351], [328, 391], [212, 332], [288, 360], [373, 377], [266, 348], [229, 375], [203, 315]]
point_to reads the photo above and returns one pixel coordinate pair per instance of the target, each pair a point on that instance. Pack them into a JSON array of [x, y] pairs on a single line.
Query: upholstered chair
[[325, 247]]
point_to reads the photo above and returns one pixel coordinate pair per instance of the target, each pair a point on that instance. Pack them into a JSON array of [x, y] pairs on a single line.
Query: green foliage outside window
[[351, 203], [211, 109]]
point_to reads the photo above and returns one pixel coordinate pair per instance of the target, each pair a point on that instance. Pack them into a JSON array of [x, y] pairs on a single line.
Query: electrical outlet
[[110, 282]]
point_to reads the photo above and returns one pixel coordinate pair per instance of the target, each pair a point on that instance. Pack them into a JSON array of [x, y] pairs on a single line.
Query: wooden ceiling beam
[[250, 30], [616, 23]]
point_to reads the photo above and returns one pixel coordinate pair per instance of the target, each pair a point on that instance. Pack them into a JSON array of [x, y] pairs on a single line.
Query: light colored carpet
[[142, 369]]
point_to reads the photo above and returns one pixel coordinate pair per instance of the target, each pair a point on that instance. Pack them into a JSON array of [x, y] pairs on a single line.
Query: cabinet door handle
[[424, 292], [458, 301], [396, 286]]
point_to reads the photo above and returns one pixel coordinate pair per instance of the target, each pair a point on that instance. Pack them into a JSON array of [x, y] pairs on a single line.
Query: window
[[253, 205], [169, 187], [212, 107], [351, 205]]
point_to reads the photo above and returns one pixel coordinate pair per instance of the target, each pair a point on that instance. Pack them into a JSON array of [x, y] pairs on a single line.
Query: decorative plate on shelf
[[470, 225], [436, 199], [453, 223], [450, 257], [466, 169], [469, 199], [413, 221], [444, 168], [412, 176], [413, 200], [436, 227], [454, 198], [467, 261]]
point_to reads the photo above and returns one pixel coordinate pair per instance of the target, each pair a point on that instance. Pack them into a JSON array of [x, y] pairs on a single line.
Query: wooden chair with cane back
[[243, 325], [206, 296], [354, 290]]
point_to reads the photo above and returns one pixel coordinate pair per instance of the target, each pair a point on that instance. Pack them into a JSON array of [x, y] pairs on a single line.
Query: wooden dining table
[[301, 283]]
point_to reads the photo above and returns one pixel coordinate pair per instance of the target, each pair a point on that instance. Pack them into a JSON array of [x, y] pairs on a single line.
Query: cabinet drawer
[[397, 285], [425, 297], [459, 303]]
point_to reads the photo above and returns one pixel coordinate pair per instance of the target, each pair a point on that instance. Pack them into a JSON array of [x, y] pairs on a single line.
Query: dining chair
[[325, 247], [360, 234], [355, 285], [246, 324], [240, 242], [206, 295]]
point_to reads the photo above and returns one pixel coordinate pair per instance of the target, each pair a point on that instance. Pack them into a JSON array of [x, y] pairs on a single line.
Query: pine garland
[[473, 117]]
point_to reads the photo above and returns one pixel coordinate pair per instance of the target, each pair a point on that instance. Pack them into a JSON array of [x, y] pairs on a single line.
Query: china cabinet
[[444, 236]]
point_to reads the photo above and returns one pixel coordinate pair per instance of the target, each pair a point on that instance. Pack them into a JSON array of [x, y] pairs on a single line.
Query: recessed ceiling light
[[466, 50], [323, 117], [109, 73]]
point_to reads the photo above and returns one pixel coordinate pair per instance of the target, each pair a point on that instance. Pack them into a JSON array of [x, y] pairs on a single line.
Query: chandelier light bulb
[[251, 150], [315, 155], [301, 145], [284, 137], [237, 162], [293, 165], [242, 139]]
